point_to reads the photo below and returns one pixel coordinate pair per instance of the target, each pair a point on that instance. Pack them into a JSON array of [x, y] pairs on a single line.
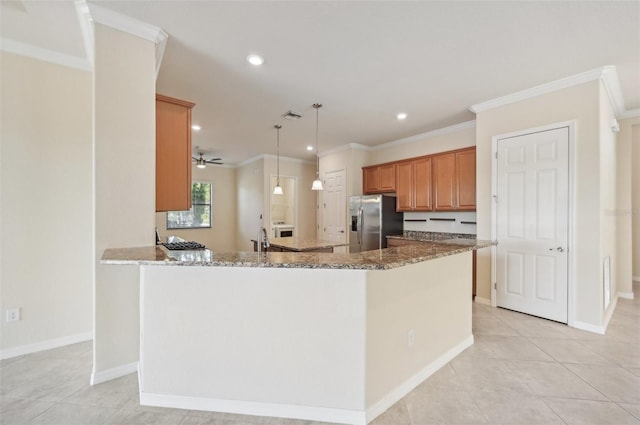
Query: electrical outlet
[[411, 338], [13, 314]]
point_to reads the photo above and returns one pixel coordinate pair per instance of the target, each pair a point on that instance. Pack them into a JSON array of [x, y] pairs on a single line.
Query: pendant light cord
[[278, 127], [317, 106]]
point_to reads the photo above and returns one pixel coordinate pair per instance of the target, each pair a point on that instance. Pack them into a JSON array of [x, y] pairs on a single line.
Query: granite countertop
[[296, 244], [379, 259]]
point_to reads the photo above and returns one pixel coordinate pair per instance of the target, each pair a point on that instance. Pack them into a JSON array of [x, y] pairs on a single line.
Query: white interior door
[[532, 223], [335, 212]]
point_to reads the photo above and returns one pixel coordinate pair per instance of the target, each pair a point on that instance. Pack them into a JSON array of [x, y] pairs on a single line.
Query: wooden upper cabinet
[[440, 182], [466, 172], [413, 185], [379, 179], [173, 154], [454, 180], [370, 177], [404, 186], [422, 182], [444, 182], [387, 177]]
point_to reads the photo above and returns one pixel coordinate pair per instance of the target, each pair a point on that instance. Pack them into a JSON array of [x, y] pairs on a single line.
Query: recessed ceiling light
[[402, 116], [196, 127], [255, 60], [309, 148]]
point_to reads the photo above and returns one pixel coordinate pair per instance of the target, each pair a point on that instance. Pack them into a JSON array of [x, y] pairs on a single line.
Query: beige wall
[[222, 234], [635, 186], [426, 145], [47, 203], [629, 207], [581, 103], [124, 90]]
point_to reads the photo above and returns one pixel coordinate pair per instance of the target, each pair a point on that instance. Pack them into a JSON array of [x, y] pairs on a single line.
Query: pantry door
[[532, 223], [335, 210]]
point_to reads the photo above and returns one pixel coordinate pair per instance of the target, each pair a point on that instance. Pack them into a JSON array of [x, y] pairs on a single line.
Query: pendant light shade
[[278, 189], [317, 183]]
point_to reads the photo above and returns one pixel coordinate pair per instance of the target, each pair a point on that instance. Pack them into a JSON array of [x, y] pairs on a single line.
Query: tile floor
[[521, 370]]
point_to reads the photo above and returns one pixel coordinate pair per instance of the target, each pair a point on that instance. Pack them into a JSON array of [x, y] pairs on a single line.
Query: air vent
[[290, 115]]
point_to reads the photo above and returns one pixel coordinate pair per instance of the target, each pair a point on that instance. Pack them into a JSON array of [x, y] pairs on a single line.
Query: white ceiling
[[365, 61]]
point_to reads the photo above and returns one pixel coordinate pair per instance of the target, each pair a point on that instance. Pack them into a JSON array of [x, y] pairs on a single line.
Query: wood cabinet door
[[387, 178], [404, 186], [422, 184], [444, 182], [466, 179], [370, 177], [173, 154]]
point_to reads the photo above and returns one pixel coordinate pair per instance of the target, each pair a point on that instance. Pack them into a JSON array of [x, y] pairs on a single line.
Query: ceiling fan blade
[[211, 161]]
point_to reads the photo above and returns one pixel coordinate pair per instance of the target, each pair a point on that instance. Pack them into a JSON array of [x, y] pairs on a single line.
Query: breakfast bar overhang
[[327, 337]]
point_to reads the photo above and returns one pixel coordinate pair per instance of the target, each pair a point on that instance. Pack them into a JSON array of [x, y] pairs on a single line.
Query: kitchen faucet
[[263, 240]]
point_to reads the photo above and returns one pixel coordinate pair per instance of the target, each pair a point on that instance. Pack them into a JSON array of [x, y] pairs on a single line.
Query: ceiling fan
[[202, 163]]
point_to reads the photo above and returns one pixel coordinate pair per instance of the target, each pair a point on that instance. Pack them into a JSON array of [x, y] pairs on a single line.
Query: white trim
[[353, 146], [626, 295], [407, 386], [607, 74], [429, 134], [614, 90], [268, 156], [19, 48], [631, 113], [113, 373], [255, 408], [86, 27], [131, 26], [482, 301], [288, 159], [609, 312], [588, 327], [571, 288], [21, 350]]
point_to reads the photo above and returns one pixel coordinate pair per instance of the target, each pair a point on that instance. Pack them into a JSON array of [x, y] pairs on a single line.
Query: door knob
[[559, 249], [341, 231]]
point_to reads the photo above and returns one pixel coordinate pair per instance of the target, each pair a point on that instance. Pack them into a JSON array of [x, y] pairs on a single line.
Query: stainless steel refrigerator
[[372, 219]]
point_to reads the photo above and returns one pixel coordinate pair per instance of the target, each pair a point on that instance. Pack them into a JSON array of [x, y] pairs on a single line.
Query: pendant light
[[317, 183], [278, 189]]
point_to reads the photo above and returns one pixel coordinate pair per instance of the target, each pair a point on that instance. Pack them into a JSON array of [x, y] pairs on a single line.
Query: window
[[199, 216]]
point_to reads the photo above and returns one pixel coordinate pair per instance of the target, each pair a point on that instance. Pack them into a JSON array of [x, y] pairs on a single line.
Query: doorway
[[335, 208], [532, 223]]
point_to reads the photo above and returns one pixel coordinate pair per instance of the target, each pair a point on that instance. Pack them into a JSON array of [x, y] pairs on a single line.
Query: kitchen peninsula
[[295, 244], [317, 336]]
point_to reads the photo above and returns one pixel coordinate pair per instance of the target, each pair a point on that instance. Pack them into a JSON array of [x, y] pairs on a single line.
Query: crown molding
[[348, 146], [90, 13], [632, 113], [429, 134], [607, 74], [46, 55], [274, 157]]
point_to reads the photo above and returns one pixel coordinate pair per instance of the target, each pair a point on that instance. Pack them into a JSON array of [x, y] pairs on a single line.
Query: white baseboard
[[482, 301], [21, 350], [588, 327], [113, 373], [324, 414], [407, 386], [636, 278], [313, 413], [609, 312], [626, 295]]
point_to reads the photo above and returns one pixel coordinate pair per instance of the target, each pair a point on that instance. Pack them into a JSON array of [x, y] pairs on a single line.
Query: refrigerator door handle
[[361, 226]]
